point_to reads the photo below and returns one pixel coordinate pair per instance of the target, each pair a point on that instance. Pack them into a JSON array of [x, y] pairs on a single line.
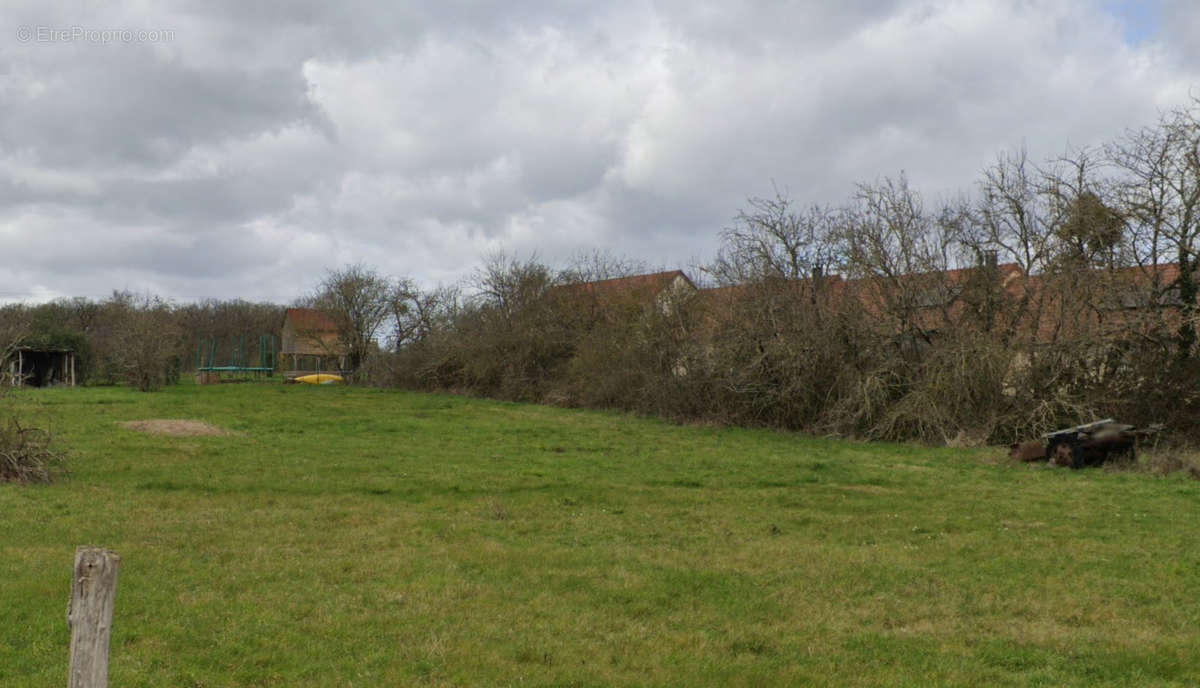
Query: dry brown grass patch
[[176, 428]]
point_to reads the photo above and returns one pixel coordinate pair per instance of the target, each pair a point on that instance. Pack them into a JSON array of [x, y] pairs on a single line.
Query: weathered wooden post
[[89, 615]]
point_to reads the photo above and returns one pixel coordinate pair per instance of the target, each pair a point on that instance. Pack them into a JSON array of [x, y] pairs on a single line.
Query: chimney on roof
[[991, 259]]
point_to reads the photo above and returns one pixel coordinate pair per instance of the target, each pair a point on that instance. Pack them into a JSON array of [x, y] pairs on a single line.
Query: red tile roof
[[936, 300], [652, 284], [310, 320]]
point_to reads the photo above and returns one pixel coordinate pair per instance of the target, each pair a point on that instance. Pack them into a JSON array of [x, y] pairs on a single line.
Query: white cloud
[[254, 150]]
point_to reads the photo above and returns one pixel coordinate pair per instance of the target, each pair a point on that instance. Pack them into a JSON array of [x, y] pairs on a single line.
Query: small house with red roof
[[310, 342]]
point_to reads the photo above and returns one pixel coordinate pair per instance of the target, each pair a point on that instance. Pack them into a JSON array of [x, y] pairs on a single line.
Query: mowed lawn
[[357, 537]]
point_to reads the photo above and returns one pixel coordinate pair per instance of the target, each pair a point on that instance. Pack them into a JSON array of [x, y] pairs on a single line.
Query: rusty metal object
[[1032, 450], [1093, 444]]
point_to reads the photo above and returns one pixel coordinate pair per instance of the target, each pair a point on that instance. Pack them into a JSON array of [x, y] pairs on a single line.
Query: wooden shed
[[40, 367]]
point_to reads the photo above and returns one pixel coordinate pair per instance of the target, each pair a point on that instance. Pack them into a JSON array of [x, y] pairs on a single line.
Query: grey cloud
[[124, 110], [268, 141]]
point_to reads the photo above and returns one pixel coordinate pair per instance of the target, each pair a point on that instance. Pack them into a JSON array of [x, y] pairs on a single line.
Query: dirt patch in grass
[[176, 427]]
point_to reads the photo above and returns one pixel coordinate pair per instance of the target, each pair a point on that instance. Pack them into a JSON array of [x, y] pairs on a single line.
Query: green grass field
[[356, 537]]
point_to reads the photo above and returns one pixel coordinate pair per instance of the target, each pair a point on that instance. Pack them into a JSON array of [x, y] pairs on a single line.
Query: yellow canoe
[[320, 379]]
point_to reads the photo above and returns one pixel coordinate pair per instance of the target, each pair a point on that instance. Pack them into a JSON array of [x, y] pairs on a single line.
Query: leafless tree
[[772, 239], [899, 251], [887, 232], [416, 314], [143, 339], [358, 301], [1013, 216], [507, 285], [1159, 192], [596, 265]]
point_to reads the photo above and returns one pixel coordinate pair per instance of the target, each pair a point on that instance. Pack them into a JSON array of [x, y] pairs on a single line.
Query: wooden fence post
[[89, 615]]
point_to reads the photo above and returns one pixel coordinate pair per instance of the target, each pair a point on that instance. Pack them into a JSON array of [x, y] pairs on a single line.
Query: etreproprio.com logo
[[84, 34]]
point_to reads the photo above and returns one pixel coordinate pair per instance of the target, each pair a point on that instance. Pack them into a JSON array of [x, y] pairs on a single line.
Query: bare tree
[[901, 252], [416, 314], [1159, 168], [1013, 215], [772, 239], [357, 299], [508, 285], [144, 340], [599, 265], [1052, 221], [887, 232]]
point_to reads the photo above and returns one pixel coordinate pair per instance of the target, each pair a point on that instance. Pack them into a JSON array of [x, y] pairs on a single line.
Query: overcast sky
[[221, 148]]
